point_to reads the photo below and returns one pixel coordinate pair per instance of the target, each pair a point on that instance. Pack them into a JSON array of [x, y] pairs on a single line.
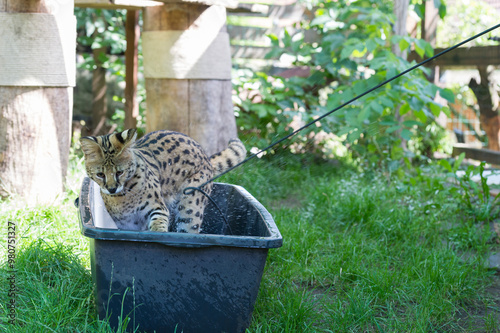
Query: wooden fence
[[251, 22]]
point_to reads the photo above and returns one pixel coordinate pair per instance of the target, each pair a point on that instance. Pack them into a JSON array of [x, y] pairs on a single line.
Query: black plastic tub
[[175, 282]]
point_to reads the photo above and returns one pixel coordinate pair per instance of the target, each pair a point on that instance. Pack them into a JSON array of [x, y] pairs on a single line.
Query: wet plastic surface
[[168, 282]]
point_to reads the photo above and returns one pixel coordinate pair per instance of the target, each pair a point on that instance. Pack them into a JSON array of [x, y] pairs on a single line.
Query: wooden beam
[[139, 4], [223, 3], [479, 154], [117, 4], [131, 65], [464, 57]]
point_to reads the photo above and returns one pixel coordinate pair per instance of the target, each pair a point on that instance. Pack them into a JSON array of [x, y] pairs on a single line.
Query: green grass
[[362, 252]]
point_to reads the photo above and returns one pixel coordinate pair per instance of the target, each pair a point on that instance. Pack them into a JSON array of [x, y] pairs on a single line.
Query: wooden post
[[37, 52], [131, 65], [429, 22], [187, 65], [429, 31]]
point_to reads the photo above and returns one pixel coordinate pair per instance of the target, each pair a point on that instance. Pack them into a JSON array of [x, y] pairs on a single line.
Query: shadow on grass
[[50, 290]]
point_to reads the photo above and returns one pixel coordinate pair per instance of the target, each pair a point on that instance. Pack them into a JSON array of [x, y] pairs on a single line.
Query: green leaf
[[386, 101], [359, 87], [287, 39], [429, 50], [416, 104], [403, 44], [371, 45], [411, 123], [458, 162], [420, 115], [347, 51], [354, 135], [393, 129], [320, 20], [447, 94], [333, 101], [404, 109], [420, 46], [406, 134], [391, 72], [445, 164], [420, 9], [358, 53], [375, 106], [435, 109], [446, 111], [397, 153], [363, 115]]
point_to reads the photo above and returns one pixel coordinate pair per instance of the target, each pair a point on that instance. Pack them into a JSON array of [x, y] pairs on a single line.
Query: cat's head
[[109, 160]]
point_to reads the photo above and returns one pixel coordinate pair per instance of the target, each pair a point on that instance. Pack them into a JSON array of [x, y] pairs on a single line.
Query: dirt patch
[[483, 317]]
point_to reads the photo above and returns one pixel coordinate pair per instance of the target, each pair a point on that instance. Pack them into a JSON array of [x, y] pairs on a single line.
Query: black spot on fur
[[144, 206]]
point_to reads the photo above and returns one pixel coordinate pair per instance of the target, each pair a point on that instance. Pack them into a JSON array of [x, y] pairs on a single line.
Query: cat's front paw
[[158, 226], [159, 220]]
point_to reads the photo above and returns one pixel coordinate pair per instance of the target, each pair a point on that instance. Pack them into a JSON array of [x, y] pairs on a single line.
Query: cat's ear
[[124, 139], [90, 147]]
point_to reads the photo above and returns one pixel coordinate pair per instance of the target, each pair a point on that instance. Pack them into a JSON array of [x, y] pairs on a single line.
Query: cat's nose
[[112, 190]]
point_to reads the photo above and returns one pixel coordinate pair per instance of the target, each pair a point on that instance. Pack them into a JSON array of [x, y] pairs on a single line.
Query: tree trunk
[[187, 65], [487, 100], [131, 65], [99, 99], [401, 13], [37, 56]]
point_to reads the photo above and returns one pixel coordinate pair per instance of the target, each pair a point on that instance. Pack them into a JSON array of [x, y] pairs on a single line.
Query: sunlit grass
[[362, 252]]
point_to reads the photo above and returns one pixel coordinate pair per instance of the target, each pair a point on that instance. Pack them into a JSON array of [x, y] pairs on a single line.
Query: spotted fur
[[142, 182]]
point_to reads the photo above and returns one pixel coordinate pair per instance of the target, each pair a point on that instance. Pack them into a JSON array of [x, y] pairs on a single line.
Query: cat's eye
[[119, 173], [100, 175]]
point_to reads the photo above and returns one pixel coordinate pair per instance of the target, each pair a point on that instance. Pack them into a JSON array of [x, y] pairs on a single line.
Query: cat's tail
[[235, 153]]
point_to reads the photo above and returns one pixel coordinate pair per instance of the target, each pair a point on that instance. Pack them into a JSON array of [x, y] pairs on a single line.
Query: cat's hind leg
[[159, 219], [190, 209]]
